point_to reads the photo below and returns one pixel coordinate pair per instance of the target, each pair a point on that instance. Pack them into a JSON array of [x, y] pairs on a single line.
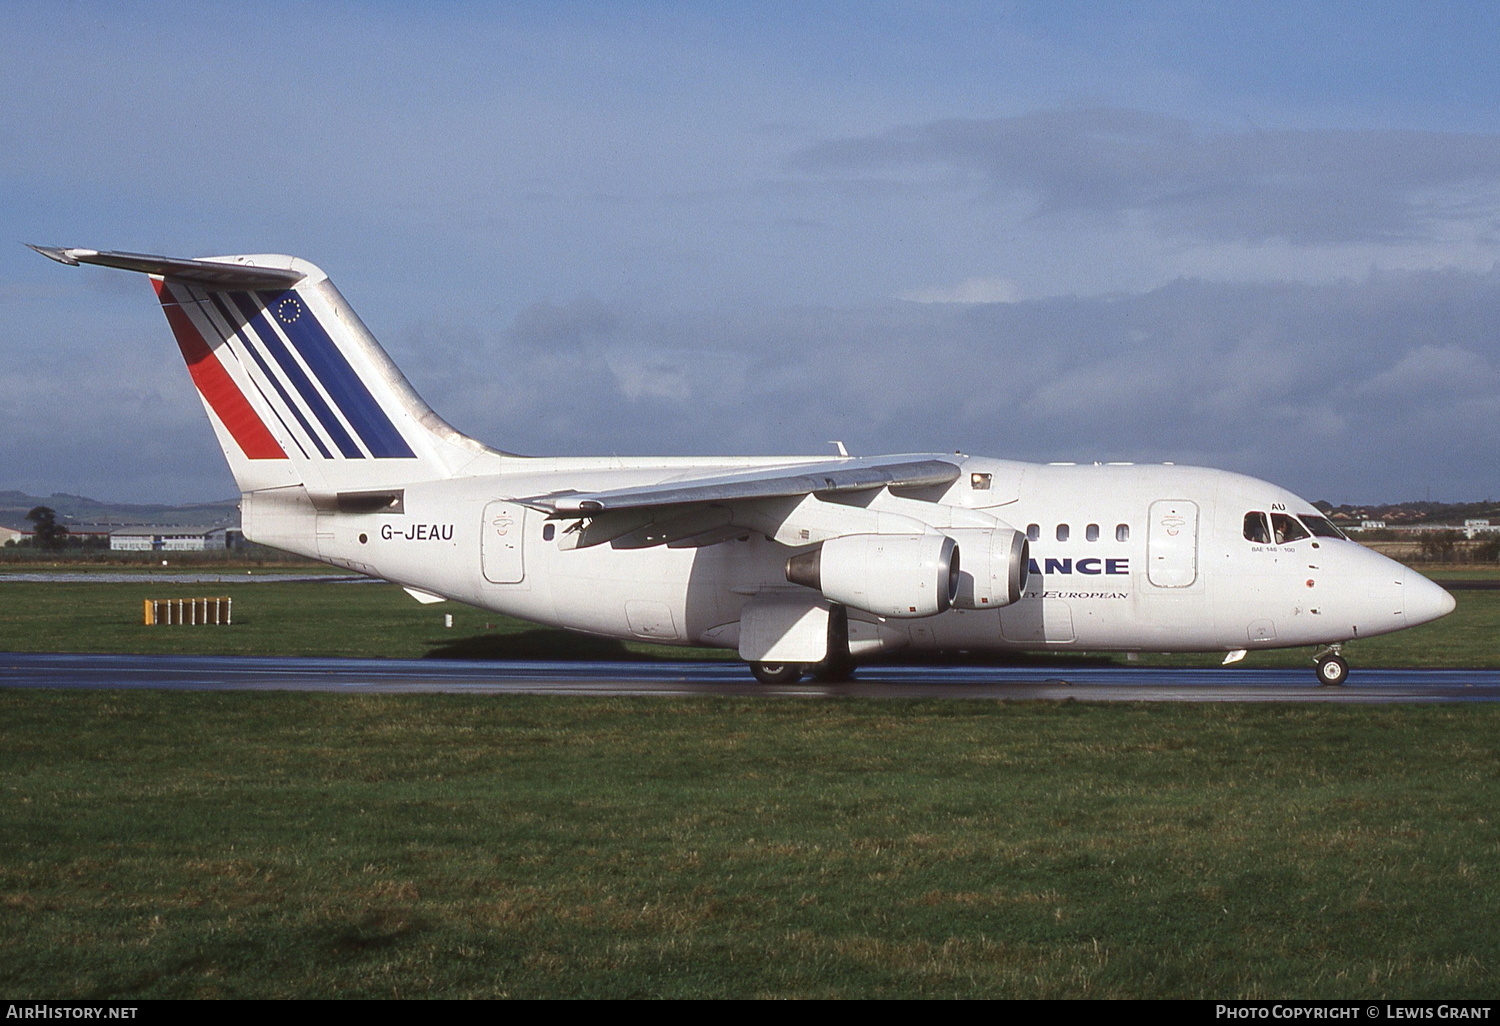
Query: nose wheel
[[1333, 669]]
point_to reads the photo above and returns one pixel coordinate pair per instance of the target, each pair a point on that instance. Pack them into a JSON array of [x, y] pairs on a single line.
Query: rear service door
[[501, 543]]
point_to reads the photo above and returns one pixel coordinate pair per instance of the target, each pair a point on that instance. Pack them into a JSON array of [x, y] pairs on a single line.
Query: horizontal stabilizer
[[203, 272]]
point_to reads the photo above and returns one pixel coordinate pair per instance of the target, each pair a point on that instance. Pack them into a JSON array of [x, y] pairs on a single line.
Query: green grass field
[[159, 844], [306, 618], [310, 845], [380, 620]]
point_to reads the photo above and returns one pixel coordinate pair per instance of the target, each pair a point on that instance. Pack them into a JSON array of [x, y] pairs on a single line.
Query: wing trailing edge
[[828, 478]]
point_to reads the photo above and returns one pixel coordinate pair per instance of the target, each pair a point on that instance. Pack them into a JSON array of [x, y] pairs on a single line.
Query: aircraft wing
[[783, 502], [822, 478]]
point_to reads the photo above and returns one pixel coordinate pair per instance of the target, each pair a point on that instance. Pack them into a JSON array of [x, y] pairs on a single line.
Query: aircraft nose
[[1424, 600]]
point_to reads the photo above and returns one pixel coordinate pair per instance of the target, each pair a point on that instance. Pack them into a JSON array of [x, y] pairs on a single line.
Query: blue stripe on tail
[[254, 312], [338, 378]]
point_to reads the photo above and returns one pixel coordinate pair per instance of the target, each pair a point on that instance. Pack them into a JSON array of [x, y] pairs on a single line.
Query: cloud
[[1355, 390], [120, 424], [550, 324], [970, 290], [1193, 181], [1349, 390], [1437, 372]]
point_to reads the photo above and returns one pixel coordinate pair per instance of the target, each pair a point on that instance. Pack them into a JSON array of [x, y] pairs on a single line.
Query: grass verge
[[267, 845], [380, 620], [302, 618]]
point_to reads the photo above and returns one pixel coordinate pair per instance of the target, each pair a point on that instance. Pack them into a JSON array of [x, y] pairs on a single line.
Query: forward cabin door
[[1172, 544], [501, 549]]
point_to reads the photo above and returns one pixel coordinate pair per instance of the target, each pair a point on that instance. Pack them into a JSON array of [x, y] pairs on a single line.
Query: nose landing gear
[[1332, 668]]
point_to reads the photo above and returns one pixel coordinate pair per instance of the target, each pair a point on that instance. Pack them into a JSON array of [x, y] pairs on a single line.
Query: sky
[[1256, 236]]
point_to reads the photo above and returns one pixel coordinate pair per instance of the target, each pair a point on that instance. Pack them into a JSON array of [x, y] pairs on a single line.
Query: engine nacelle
[[996, 566], [900, 575]]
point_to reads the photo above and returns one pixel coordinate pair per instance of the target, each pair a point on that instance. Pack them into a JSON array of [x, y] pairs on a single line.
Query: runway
[[419, 676]]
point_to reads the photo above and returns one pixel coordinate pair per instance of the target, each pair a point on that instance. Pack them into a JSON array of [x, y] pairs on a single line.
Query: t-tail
[[307, 407]]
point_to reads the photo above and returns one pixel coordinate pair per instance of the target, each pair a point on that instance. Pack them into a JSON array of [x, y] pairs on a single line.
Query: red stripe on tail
[[217, 387]]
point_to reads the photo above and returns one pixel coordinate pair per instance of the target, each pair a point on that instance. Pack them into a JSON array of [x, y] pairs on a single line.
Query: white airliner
[[802, 564]]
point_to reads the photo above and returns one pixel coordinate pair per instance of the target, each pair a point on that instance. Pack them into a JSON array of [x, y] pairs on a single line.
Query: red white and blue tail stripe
[[288, 364], [296, 388]]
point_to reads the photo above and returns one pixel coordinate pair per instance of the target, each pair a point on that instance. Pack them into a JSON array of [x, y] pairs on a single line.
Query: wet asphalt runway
[[417, 676]]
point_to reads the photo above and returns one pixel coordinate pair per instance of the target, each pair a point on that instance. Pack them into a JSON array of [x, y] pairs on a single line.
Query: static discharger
[[192, 612]]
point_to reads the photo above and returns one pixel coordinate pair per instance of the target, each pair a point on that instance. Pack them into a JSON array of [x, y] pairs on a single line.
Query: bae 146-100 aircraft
[[802, 564]]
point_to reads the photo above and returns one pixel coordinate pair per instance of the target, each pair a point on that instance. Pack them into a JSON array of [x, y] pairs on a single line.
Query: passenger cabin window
[[1091, 532], [1122, 532], [981, 482], [549, 531], [1062, 532], [1033, 532], [1257, 529], [1320, 527], [1287, 529]]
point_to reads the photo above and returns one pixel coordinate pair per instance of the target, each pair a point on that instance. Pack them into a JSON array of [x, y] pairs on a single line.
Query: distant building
[[172, 539], [1481, 526], [1371, 525], [10, 534]]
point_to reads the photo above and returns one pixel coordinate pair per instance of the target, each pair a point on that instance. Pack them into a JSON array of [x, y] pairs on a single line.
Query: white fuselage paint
[[1184, 577]]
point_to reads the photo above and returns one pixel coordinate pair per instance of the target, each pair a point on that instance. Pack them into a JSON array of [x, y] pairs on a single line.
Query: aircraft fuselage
[[1122, 557]]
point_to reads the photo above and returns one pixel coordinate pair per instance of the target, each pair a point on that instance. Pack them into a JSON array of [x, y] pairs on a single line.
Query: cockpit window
[[1256, 529], [1287, 529], [1321, 527]]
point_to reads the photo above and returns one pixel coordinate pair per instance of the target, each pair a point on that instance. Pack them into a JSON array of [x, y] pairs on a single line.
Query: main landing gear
[[834, 668], [1333, 669], [825, 672], [778, 673]]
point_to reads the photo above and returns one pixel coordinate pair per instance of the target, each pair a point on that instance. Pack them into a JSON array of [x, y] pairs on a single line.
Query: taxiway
[[419, 676]]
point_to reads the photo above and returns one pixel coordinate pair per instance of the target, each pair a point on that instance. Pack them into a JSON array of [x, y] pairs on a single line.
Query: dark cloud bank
[[1383, 388], [1387, 388]]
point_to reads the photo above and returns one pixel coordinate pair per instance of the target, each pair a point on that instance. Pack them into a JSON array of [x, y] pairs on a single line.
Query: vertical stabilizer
[[297, 389]]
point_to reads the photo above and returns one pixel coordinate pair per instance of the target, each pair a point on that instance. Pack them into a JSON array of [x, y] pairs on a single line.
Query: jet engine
[[996, 566], [899, 575]]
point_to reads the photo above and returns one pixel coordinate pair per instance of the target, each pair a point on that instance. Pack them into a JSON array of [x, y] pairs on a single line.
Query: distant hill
[[1437, 513], [80, 512]]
